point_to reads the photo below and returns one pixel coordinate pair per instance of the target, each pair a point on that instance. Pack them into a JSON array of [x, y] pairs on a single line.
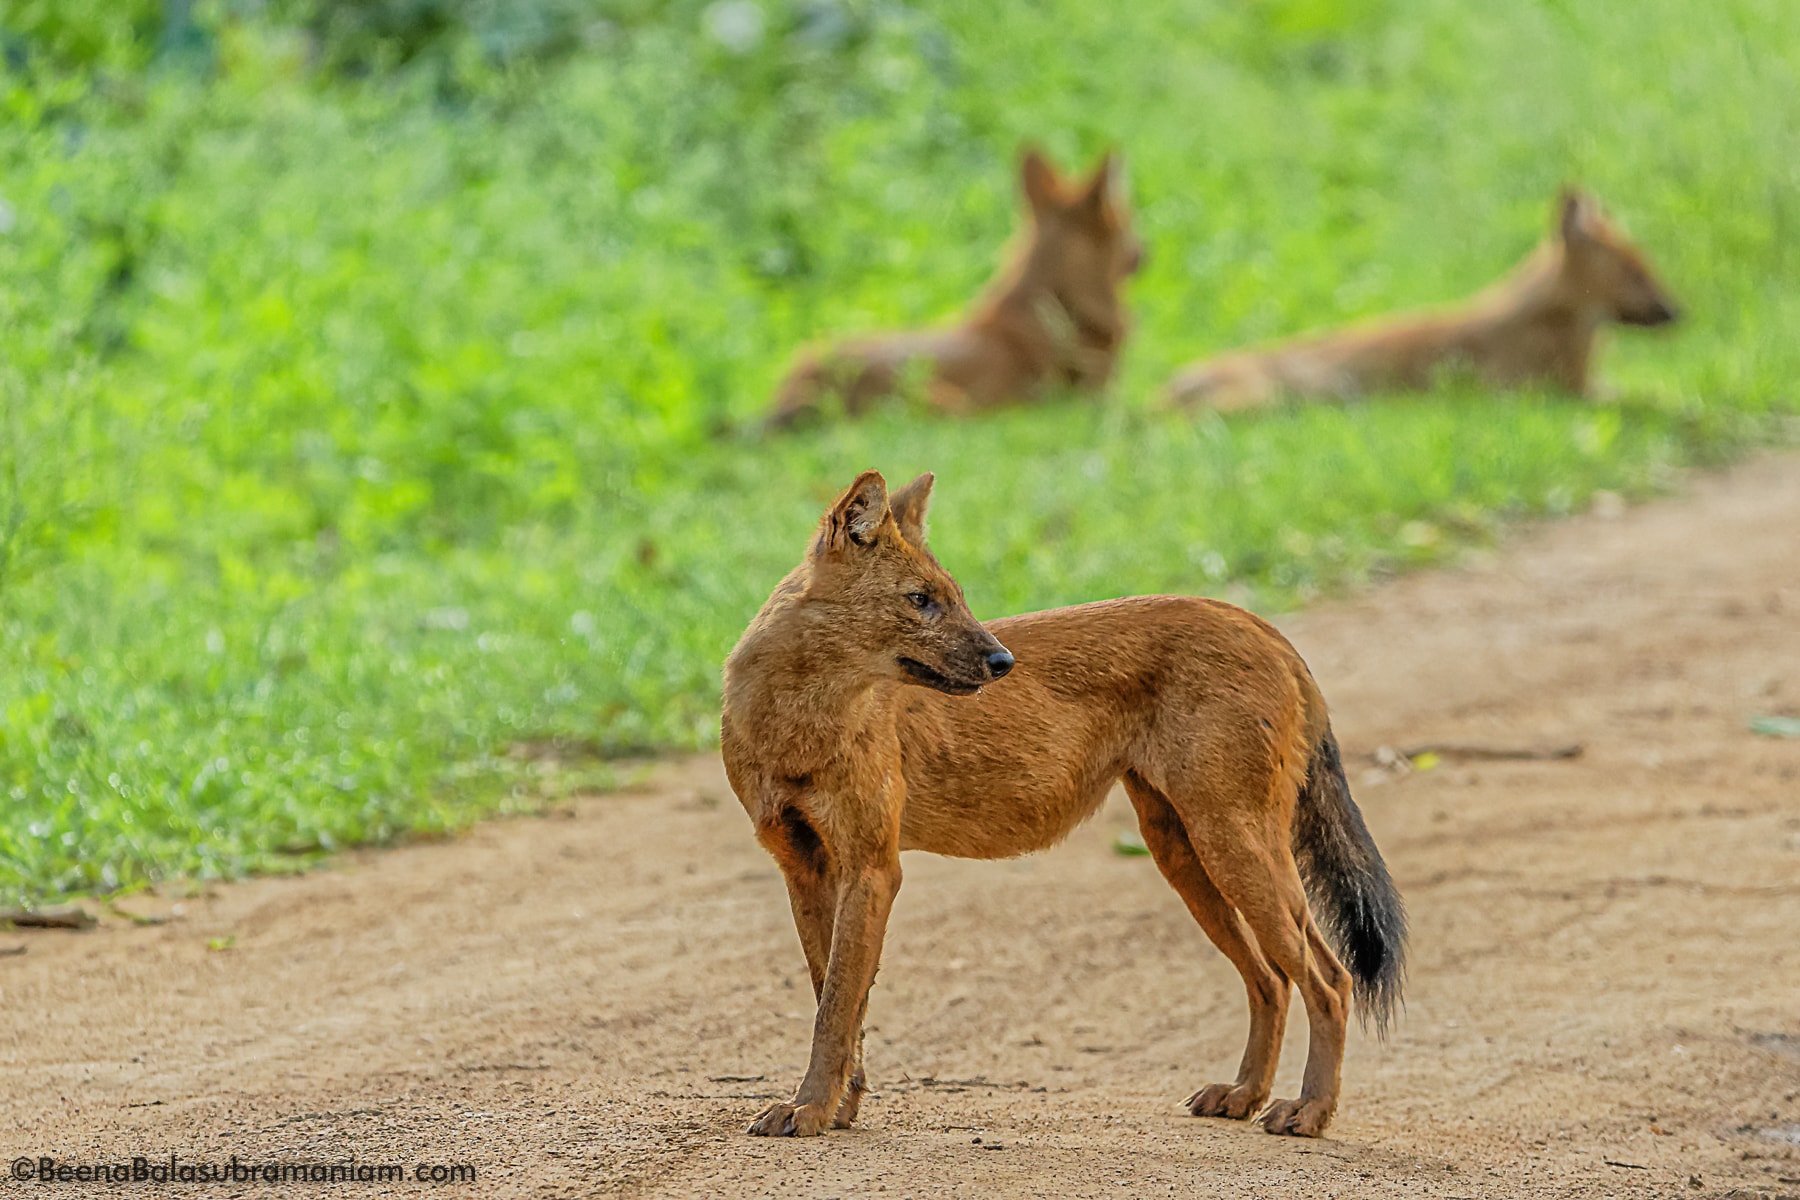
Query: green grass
[[361, 422]]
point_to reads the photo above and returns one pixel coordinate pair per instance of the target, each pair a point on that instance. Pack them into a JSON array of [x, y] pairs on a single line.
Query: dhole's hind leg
[[1253, 866], [1168, 842]]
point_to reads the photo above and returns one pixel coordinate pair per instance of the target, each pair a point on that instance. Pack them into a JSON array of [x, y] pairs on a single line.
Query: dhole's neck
[[1537, 293], [1025, 292], [795, 688]]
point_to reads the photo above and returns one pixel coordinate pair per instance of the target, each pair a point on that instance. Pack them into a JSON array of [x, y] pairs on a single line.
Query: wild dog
[[1052, 318], [868, 712], [1538, 327]]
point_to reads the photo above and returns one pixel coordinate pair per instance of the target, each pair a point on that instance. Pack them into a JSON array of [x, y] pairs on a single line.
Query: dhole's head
[[1604, 269], [1082, 247], [874, 588]]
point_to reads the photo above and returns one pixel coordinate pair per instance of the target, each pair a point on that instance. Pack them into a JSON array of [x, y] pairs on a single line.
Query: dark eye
[[918, 600]]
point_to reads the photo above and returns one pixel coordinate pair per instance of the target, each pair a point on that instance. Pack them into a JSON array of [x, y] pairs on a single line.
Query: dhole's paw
[[1233, 1102], [1296, 1118], [788, 1119]]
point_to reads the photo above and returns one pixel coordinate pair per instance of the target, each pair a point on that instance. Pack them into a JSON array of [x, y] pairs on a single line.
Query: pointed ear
[[1118, 177], [1107, 183], [909, 504], [1574, 212], [857, 516], [1039, 181]]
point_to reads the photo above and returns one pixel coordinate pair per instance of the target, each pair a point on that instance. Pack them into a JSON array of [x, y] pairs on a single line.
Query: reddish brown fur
[[1053, 317], [1537, 327], [1207, 714]]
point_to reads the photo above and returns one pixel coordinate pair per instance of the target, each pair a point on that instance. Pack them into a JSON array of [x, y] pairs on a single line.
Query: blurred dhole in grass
[[367, 371]]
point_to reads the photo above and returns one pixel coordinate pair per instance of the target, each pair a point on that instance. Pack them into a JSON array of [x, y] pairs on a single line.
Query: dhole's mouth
[[935, 679], [1651, 316]]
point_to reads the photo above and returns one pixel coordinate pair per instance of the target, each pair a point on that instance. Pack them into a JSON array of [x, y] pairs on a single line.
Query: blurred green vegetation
[[369, 370]]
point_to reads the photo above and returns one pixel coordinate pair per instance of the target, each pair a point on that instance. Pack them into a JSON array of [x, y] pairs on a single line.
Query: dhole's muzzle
[[985, 661]]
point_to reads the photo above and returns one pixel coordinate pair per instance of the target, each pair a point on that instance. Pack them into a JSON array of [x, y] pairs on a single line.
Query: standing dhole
[[1536, 327], [1053, 318], [867, 712]]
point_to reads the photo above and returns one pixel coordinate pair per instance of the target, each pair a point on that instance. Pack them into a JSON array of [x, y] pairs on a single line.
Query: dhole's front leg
[[864, 895], [814, 903]]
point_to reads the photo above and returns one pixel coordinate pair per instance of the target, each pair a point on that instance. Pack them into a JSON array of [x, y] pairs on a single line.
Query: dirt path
[[1605, 995]]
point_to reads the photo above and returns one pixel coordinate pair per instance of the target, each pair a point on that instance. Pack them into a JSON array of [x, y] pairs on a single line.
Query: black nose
[[999, 663]]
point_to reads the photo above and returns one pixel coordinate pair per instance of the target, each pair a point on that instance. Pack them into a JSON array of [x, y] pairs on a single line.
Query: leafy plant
[[373, 384]]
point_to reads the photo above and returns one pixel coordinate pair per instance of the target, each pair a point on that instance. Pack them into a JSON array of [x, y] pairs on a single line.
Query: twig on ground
[[1478, 751], [49, 918], [112, 907]]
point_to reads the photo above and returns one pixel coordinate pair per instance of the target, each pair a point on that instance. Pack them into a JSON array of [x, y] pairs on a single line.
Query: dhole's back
[[1099, 690]]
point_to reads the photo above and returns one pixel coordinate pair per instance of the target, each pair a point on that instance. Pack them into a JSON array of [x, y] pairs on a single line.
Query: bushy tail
[[1353, 899]]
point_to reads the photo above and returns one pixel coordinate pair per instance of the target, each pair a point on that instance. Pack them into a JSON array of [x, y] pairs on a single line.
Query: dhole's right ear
[[1106, 186], [857, 516], [1574, 213], [1039, 181]]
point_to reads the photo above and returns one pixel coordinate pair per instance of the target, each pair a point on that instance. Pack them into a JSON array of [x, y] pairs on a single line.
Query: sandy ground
[[1604, 1000]]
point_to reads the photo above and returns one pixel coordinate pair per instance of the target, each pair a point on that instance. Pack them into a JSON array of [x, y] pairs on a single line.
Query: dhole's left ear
[[858, 515], [1039, 181], [909, 504]]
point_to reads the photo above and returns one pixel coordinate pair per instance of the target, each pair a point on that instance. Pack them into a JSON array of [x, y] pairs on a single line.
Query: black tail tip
[[1375, 953], [1378, 1006]]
